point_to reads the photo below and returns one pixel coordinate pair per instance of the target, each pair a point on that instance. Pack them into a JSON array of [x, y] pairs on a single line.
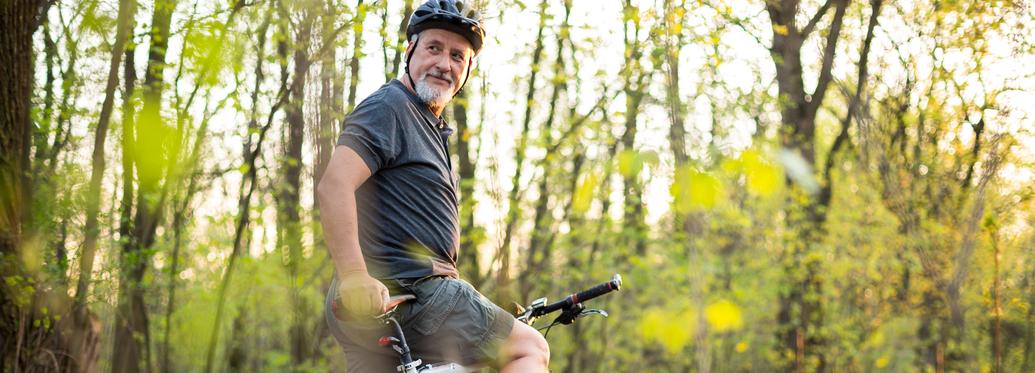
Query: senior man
[[389, 210]]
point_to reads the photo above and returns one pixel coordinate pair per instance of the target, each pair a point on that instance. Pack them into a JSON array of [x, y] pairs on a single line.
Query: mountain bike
[[571, 308]]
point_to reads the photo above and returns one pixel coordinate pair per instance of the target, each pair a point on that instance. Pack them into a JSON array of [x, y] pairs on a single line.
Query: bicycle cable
[[548, 328]]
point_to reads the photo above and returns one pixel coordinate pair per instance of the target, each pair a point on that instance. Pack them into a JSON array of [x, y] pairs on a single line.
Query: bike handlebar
[[582, 296]]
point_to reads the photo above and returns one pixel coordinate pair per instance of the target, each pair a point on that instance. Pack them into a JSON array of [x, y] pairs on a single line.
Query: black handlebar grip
[[582, 296]]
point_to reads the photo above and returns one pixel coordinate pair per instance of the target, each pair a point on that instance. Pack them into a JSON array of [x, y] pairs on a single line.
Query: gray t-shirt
[[408, 223]]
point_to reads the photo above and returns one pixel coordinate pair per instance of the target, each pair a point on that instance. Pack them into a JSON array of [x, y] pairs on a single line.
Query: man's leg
[[525, 350]]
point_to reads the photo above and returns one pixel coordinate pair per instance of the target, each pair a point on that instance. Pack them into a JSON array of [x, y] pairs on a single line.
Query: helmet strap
[[408, 57], [470, 65]]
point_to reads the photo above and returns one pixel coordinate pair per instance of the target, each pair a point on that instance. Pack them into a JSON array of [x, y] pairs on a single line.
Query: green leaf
[[723, 316], [584, 193], [763, 177], [629, 163], [694, 190], [672, 330]]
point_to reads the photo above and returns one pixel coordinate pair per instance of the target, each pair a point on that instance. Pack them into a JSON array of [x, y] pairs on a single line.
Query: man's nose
[[442, 63]]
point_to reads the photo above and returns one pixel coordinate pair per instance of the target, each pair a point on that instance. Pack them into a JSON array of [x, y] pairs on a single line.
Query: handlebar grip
[[582, 296]]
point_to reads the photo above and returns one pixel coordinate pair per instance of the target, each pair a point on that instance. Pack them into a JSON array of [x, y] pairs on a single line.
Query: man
[[389, 211]]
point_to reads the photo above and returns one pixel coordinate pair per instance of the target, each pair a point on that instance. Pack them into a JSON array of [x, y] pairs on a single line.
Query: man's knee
[[525, 342]]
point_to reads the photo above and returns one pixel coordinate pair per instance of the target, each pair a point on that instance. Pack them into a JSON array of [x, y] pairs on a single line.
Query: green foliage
[[733, 225]]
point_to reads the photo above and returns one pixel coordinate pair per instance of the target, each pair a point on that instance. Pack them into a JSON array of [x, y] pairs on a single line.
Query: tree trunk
[[800, 309], [538, 256], [252, 150], [1029, 319], [357, 52], [127, 10], [132, 334], [997, 312], [18, 20], [51, 60], [69, 94], [505, 294], [126, 208], [635, 88], [288, 197], [330, 104], [688, 223], [393, 70], [469, 232]]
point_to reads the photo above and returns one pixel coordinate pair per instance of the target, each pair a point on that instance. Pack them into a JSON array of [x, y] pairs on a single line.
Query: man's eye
[[457, 57]]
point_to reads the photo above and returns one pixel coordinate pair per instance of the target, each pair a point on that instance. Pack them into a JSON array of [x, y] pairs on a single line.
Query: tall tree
[[539, 250], [127, 10], [636, 79], [330, 102], [800, 312], [132, 334], [19, 20], [254, 137], [358, 21], [128, 141], [392, 68], [503, 279], [288, 200], [926, 187], [469, 232]]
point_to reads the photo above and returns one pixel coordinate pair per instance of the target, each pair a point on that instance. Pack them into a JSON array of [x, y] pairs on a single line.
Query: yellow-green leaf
[[693, 189], [672, 330], [723, 316], [584, 194], [763, 177], [629, 163]]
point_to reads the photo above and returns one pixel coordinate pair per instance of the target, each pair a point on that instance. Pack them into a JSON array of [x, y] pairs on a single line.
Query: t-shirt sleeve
[[372, 131]]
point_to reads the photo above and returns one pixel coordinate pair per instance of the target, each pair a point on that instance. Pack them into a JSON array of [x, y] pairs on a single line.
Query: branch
[[853, 104], [963, 257], [811, 26], [575, 125], [825, 73], [739, 22]]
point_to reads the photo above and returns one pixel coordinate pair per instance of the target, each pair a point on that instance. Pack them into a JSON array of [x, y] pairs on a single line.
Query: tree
[[635, 81], [801, 312], [288, 201], [83, 334], [19, 21]]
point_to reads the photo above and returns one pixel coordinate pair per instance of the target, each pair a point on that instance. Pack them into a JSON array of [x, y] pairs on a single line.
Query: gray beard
[[434, 98]]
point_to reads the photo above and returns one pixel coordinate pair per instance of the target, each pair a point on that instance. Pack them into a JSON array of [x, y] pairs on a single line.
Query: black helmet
[[452, 15]]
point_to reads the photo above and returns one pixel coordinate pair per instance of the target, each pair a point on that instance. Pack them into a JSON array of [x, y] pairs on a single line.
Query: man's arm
[[360, 293]]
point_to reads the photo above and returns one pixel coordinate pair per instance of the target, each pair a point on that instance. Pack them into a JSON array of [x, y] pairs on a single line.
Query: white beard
[[431, 95]]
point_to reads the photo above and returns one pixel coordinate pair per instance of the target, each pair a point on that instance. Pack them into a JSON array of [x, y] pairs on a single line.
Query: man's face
[[438, 65]]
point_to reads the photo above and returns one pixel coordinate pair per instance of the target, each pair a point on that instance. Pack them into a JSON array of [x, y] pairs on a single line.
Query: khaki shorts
[[449, 321]]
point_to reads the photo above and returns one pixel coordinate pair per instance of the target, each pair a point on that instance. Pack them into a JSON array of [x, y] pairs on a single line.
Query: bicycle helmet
[[452, 15]]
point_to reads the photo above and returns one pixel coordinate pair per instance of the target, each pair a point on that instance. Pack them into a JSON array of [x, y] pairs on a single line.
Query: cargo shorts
[[449, 321]]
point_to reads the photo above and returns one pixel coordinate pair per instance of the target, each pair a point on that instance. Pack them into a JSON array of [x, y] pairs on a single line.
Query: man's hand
[[362, 295]]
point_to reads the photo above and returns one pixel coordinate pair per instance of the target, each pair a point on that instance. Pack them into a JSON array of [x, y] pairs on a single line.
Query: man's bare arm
[[361, 294]]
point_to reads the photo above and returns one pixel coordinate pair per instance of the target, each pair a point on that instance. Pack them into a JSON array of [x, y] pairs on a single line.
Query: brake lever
[[591, 312]]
